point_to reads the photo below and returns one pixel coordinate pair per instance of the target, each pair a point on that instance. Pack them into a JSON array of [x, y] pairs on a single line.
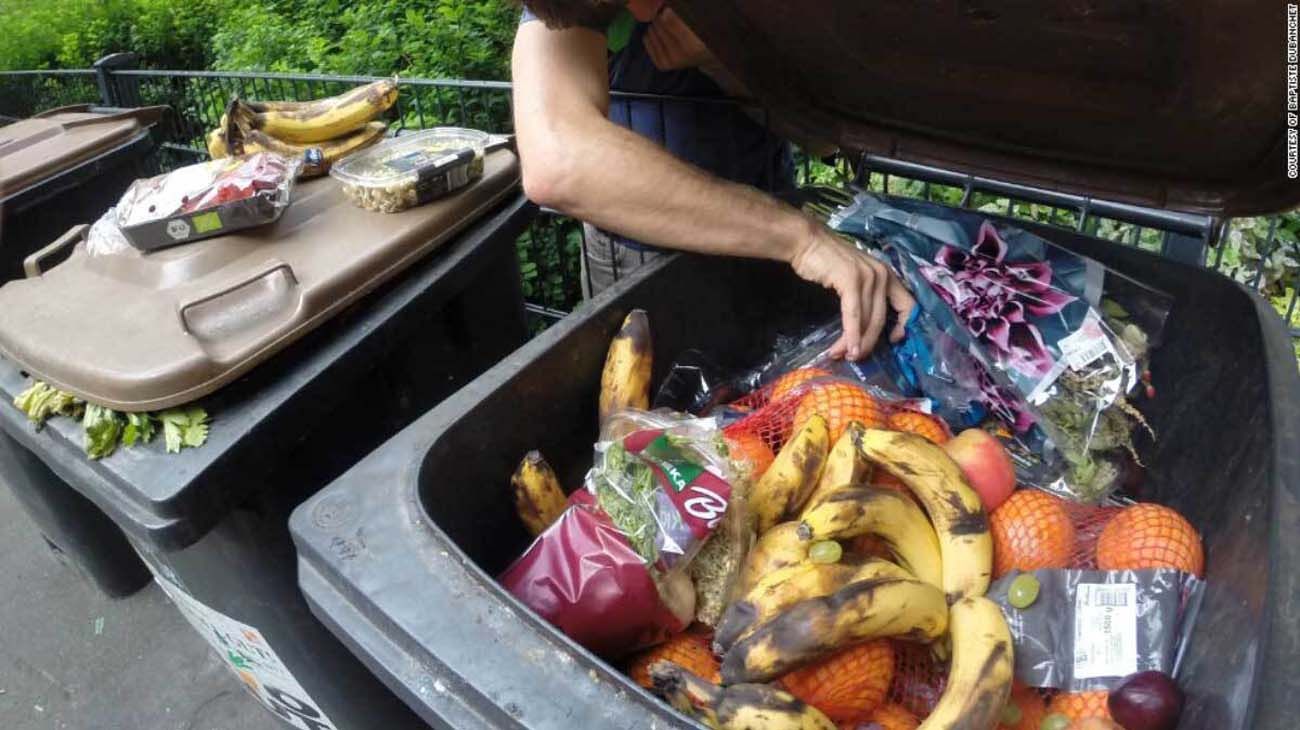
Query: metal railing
[[1261, 253]]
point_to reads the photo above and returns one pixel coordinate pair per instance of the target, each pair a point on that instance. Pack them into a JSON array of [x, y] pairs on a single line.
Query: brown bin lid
[[1167, 104], [139, 331], [33, 150]]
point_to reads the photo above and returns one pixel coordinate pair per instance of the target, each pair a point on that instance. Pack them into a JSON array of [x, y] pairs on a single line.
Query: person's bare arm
[[578, 162]]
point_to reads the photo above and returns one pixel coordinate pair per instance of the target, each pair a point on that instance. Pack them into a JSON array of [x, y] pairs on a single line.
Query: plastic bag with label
[[1089, 629], [614, 572], [1054, 342]]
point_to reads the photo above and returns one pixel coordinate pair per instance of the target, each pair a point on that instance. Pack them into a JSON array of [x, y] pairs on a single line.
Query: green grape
[[826, 551], [1011, 714], [1023, 591], [1055, 721]]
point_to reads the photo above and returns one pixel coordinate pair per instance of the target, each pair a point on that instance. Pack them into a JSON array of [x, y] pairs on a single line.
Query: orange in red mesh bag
[[848, 685]]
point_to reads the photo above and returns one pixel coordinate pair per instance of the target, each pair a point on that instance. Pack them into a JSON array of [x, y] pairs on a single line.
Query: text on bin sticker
[[1105, 630], [243, 648]]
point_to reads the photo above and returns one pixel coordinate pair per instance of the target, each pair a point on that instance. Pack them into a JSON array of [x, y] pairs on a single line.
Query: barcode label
[[1083, 346], [1105, 630]]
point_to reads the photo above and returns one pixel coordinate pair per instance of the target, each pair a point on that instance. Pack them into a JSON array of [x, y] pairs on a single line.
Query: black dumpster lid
[[1164, 104]]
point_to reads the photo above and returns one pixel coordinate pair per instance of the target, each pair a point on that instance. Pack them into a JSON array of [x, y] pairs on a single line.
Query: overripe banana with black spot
[[331, 151], [845, 465], [319, 120], [980, 674], [965, 546], [782, 489], [539, 499], [738, 707], [625, 380], [783, 588], [777, 548], [808, 630], [893, 517]]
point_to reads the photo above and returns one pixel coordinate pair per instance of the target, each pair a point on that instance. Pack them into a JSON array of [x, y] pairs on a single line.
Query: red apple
[[986, 464]]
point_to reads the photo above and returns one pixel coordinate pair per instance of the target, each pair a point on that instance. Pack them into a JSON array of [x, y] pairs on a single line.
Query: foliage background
[[426, 38]]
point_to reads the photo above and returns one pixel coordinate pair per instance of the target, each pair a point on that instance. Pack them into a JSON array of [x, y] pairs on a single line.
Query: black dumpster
[[211, 523], [66, 166], [398, 556]]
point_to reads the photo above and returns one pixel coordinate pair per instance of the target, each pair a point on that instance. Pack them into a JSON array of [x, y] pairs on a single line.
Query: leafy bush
[[428, 38]]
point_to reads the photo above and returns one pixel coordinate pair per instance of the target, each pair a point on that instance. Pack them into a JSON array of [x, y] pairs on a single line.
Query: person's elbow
[[550, 176]]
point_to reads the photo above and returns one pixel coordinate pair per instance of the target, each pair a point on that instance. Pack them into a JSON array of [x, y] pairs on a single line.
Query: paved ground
[[70, 658]]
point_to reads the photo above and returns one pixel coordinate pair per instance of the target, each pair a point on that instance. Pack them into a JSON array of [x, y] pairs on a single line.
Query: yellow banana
[[738, 707], [625, 381], [319, 120], [790, 479], [979, 677], [539, 500], [851, 511], [217, 148], [808, 630], [846, 465], [779, 547], [331, 151], [955, 509], [783, 588]]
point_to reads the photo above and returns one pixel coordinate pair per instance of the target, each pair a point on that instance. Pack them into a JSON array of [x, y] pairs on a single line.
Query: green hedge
[[428, 38]]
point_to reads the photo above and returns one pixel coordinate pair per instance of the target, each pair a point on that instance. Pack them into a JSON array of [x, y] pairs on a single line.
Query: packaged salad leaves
[[1050, 342], [614, 571]]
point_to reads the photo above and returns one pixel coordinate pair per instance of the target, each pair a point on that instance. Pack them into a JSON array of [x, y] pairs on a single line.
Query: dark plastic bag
[[1089, 629]]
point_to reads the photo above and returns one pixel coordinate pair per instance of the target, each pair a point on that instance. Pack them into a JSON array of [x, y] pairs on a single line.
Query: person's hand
[[867, 289], [673, 46]]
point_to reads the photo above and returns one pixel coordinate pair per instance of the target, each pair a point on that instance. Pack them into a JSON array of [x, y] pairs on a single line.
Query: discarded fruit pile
[[847, 583]]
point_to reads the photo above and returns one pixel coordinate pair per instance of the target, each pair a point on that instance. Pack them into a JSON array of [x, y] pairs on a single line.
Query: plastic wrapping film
[[105, 238], [614, 571], [1089, 629], [1050, 342], [208, 199]]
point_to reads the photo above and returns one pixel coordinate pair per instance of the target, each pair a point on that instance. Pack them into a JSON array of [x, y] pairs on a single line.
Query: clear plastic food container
[[408, 171]]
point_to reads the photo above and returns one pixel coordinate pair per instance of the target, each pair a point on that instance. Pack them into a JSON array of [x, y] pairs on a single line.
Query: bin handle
[[285, 311], [75, 235]]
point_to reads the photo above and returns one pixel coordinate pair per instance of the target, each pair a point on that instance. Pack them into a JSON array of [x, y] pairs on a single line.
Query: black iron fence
[[1263, 253]]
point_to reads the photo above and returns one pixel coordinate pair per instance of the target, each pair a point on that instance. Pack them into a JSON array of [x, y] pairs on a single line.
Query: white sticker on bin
[[1105, 630], [243, 648]]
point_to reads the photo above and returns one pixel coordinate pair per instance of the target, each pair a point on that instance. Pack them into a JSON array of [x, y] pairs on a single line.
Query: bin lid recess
[[138, 331], [1162, 104], [35, 150]]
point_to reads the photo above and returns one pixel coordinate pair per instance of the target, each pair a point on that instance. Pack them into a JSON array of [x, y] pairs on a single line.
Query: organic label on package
[[243, 648], [1105, 630]]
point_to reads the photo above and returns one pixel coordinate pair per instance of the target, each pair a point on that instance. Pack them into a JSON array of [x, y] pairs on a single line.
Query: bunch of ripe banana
[[319, 132], [792, 610]]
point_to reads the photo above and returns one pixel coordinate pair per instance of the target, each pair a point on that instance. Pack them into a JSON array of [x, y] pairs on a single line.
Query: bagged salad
[[1052, 343], [614, 572]]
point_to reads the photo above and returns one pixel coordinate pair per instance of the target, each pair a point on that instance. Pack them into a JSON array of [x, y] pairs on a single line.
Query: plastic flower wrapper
[[1050, 342], [614, 571]]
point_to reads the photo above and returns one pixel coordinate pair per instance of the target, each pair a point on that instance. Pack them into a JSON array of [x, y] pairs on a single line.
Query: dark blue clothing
[[717, 137]]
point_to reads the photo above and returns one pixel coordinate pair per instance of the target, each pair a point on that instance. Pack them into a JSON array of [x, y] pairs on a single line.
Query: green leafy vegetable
[[104, 429], [625, 490], [184, 427]]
